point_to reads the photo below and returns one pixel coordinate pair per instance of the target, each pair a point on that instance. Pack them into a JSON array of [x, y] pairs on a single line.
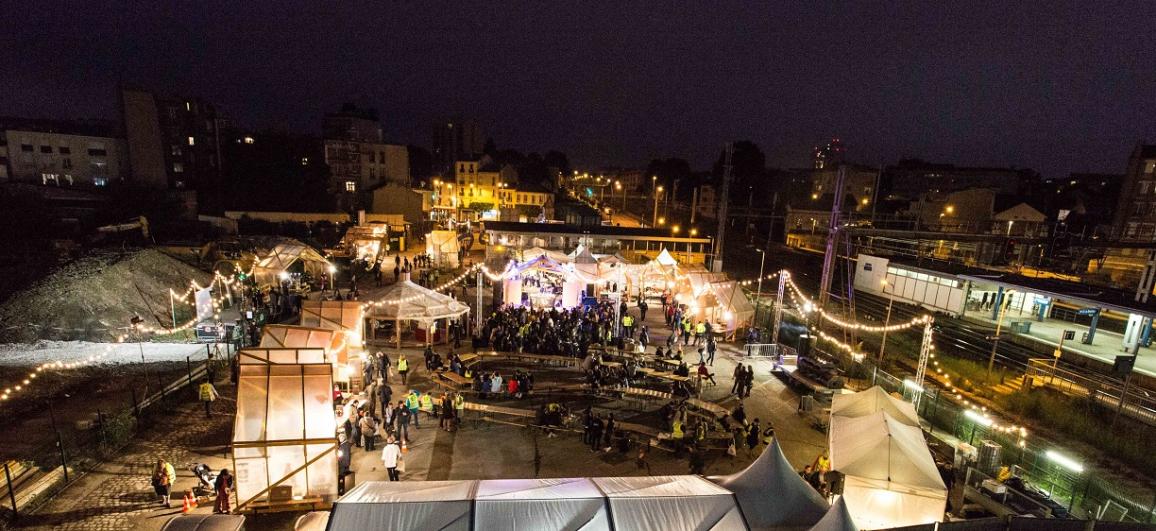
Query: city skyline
[[1065, 91]]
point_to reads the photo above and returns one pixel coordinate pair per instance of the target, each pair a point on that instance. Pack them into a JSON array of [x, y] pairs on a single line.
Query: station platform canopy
[[1119, 300]]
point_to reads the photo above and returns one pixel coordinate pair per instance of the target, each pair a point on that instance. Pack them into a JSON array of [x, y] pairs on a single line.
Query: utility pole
[[924, 353], [693, 204], [724, 200], [784, 277], [832, 237]]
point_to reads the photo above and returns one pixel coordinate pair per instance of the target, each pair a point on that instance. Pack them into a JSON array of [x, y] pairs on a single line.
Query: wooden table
[[612, 364], [669, 363], [469, 360], [453, 380], [709, 407]]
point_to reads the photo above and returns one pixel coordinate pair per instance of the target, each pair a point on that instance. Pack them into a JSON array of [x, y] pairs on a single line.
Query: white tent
[[873, 400], [670, 503], [836, 519], [285, 257], [772, 495], [441, 505], [890, 479], [442, 247], [406, 301], [533, 504], [664, 259]]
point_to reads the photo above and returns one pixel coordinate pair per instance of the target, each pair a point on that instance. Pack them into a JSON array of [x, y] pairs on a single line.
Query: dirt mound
[[91, 298]]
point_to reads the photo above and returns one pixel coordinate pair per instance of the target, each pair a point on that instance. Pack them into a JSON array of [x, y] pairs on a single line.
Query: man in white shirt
[[390, 455]]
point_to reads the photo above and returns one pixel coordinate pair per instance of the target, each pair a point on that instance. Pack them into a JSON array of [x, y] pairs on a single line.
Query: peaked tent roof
[[442, 505], [838, 518], [531, 504], [872, 400], [878, 447], [670, 503], [405, 300], [582, 255], [772, 495], [664, 259]]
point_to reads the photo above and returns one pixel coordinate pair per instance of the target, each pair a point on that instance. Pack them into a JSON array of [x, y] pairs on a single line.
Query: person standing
[[162, 479], [711, 348], [412, 403], [208, 394], [402, 367], [403, 415], [642, 307], [595, 433], [738, 376], [368, 431], [223, 486], [609, 431], [390, 456]]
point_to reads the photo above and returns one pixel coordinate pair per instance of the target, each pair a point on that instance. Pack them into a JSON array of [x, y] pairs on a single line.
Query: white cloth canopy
[[407, 301], [664, 259], [531, 504], [283, 256], [442, 247], [772, 495], [659, 503], [670, 503], [442, 505], [873, 400], [890, 479], [836, 519]]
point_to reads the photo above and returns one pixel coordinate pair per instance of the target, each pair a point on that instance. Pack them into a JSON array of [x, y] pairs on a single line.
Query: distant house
[[1020, 220]]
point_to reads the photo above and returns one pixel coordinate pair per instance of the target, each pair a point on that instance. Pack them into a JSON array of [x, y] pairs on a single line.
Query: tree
[[557, 159]]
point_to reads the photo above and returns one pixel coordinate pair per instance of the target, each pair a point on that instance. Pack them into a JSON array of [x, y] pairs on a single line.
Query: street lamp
[[657, 192], [998, 325], [693, 231], [674, 229], [890, 303], [759, 290]]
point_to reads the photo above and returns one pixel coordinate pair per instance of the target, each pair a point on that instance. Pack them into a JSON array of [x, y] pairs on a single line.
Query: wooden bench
[[469, 360], [708, 407]]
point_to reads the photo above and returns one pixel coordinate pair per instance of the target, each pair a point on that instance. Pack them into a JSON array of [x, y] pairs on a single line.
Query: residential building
[[359, 159], [61, 153], [173, 142], [859, 183], [829, 155], [1135, 218], [910, 178], [456, 139]]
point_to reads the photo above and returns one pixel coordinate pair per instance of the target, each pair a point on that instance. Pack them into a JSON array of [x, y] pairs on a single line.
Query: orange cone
[[190, 502], [404, 448]]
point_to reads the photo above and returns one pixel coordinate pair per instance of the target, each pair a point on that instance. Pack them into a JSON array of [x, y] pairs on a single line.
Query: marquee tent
[[289, 336], [407, 301], [338, 315], [666, 503], [873, 400], [284, 432], [532, 504], [890, 479], [836, 519], [534, 252], [772, 494], [289, 256], [670, 503]]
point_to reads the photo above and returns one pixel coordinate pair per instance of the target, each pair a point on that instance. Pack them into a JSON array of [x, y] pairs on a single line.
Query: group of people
[[164, 476], [492, 384], [553, 331], [744, 380]]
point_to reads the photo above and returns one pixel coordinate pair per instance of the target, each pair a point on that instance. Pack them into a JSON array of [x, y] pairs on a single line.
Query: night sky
[[1056, 87]]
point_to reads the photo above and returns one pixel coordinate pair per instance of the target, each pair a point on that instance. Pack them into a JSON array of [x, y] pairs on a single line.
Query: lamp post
[[618, 186], [887, 323], [759, 289], [998, 325], [654, 218]]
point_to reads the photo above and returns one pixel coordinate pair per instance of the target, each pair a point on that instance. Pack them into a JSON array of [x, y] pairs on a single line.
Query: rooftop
[[598, 230], [83, 127]]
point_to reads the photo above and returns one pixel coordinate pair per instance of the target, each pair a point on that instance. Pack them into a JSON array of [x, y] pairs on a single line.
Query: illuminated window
[[178, 167], [192, 141], [350, 186], [248, 140]]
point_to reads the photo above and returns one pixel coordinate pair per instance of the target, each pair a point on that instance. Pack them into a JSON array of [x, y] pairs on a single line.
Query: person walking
[[754, 431], [642, 307], [403, 415], [208, 395], [163, 478], [223, 486], [402, 367], [390, 457], [368, 432], [738, 376], [711, 348]]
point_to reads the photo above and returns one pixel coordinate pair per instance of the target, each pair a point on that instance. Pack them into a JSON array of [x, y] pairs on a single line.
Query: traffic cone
[[404, 448], [190, 502]]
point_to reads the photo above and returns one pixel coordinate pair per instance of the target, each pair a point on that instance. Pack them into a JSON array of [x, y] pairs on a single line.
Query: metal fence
[[73, 449], [1136, 404]]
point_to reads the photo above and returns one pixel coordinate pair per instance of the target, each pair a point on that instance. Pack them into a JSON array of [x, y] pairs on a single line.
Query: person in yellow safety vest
[[676, 429], [459, 408], [686, 328], [411, 403], [427, 404], [469, 374], [208, 394], [628, 325], [699, 332], [402, 367]]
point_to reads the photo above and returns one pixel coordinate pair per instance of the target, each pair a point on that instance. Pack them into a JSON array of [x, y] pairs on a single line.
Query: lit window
[[248, 140], [304, 161], [100, 181], [192, 141], [350, 186], [178, 167]]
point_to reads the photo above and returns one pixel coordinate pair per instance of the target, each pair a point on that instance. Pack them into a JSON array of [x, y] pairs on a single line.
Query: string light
[[23, 386]]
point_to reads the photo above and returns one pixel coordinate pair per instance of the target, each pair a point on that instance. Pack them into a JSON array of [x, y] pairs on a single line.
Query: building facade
[[359, 159], [912, 177], [59, 153], [455, 139], [173, 142], [1135, 218]]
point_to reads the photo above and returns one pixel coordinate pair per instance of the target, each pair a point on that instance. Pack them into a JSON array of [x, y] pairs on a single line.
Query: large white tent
[[533, 504], [289, 256], [407, 301], [442, 247], [660, 503], [871, 401], [890, 479], [836, 519], [772, 494]]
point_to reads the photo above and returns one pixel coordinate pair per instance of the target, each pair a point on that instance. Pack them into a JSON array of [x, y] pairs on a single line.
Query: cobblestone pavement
[[117, 495]]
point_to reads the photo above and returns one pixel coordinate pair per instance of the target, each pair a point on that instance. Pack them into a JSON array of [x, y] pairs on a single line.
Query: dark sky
[[1058, 87]]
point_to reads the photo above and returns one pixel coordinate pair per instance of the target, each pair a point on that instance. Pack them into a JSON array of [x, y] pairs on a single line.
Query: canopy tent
[[205, 522], [282, 356], [666, 503], [664, 259], [670, 503], [532, 504], [365, 242], [772, 494], [284, 432], [441, 505], [836, 519], [736, 308], [572, 280], [871, 401], [406, 301], [290, 256], [442, 247], [534, 252], [890, 479], [338, 315], [289, 336]]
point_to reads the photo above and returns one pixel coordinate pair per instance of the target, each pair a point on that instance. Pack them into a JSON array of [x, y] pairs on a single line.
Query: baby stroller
[[205, 480]]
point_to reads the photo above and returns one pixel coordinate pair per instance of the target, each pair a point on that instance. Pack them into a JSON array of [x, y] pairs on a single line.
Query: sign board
[[204, 298], [1123, 365], [1087, 311], [1069, 334]]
